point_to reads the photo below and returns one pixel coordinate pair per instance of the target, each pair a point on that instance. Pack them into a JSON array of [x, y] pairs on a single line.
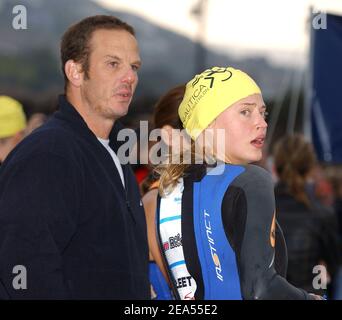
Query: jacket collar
[[68, 113], [75, 122]]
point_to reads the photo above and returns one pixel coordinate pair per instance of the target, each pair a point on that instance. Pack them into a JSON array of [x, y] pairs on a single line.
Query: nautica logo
[[193, 101], [211, 241]]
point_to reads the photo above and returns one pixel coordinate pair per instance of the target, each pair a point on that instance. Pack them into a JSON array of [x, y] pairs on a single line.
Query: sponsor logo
[[194, 100], [177, 199], [212, 74], [174, 242], [183, 282], [211, 242], [189, 296], [166, 246]]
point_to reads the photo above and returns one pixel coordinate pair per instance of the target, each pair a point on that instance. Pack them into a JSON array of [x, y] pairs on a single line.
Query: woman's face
[[244, 130]]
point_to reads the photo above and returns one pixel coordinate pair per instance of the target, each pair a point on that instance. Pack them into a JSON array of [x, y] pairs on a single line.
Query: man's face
[[113, 64]]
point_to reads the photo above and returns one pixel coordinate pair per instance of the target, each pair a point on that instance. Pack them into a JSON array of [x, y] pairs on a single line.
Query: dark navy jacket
[[65, 217]]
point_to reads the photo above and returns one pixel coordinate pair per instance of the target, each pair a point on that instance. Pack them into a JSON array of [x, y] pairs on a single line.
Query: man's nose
[[130, 76]]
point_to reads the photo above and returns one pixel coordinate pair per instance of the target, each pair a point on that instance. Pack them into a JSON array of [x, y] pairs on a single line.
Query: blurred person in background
[[310, 229], [321, 187], [165, 117], [70, 213], [35, 121], [12, 125], [334, 174]]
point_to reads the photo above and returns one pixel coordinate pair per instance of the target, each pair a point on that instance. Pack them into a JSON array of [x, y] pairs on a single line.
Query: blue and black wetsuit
[[231, 246]]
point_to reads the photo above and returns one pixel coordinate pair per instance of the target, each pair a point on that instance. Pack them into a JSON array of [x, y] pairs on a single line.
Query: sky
[[275, 28]]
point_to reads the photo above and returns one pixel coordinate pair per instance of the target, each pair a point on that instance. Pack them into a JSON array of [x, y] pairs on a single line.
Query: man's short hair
[[75, 41]]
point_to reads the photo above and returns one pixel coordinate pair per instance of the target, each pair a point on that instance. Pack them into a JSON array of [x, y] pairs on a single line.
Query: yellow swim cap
[[12, 117], [210, 93]]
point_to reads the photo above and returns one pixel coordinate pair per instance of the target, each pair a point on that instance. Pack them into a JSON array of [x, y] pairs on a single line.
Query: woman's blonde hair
[[170, 173], [197, 152]]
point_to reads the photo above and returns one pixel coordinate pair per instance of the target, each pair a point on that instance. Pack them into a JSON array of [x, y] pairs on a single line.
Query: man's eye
[[135, 67], [113, 63], [264, 114]]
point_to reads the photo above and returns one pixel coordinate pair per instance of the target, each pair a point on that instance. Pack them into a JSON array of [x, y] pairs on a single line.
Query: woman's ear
[[166, 134]]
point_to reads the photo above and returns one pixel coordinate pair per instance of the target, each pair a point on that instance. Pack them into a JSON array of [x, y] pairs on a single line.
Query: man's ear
[[73, 71]]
